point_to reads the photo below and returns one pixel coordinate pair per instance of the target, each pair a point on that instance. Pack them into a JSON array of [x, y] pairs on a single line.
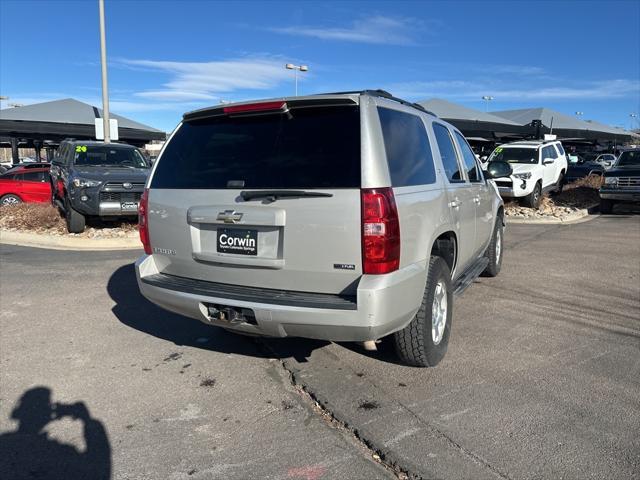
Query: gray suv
[[344, 217]]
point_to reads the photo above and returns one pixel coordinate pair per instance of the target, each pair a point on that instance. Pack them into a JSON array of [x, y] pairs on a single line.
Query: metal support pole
[[37, 145], [15, 157], [103, 61], [295, 72]]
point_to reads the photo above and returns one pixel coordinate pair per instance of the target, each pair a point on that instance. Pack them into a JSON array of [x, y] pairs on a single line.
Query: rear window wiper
[[273, 195]]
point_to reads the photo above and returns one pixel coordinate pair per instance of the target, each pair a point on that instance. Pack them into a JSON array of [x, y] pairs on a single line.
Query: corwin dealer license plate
[[238, 241], [129, 206]]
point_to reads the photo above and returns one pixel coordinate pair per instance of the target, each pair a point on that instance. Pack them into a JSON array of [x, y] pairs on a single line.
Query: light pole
[[103, 62], [487, 99], [579, 114], [2, 97], [632, 116], [296, 69]]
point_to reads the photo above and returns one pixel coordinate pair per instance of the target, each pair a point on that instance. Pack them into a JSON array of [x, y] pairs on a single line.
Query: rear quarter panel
[[422, 209]]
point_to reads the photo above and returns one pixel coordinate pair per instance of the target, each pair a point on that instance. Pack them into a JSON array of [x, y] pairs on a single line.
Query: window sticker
[[81, 148]]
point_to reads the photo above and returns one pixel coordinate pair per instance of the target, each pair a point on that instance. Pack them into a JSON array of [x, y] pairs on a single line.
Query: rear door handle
[[455, 204], [477, 199]]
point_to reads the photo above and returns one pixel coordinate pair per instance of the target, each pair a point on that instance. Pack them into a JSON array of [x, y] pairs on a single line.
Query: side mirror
[[548, 161], [498, 169]]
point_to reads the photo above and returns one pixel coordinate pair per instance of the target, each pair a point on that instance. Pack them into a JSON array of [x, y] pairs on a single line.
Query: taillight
[[380, 231], [143, 221]]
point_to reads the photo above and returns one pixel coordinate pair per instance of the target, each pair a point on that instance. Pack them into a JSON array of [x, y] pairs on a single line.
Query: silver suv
[[344, 217]]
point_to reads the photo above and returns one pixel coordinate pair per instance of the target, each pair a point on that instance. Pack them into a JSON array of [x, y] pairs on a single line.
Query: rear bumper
[[382, 305], [619, 195]]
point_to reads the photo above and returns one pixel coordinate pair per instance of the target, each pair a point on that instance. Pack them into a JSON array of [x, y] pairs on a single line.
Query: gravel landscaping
[[575, 197], [44, 219]]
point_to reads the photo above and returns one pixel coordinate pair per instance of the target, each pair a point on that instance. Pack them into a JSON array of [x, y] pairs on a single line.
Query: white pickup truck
[[538, 167]]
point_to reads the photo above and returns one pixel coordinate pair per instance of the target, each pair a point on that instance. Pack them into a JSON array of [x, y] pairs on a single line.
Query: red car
[[25, 183]]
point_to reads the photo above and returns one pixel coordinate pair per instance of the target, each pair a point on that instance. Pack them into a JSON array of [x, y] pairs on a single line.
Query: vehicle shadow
[[135, 311], [28, 452]]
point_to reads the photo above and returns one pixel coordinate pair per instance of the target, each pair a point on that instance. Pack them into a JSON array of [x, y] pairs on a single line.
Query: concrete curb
[[583, 215], [25, 239]]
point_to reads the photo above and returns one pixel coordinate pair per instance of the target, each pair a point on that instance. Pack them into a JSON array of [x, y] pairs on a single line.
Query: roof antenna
[[551, 128]]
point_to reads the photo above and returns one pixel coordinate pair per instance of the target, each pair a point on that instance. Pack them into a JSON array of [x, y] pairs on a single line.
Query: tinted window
[[34, 177], [549, 152], [448, 153], [469, 159], [560, 148], [62, 153], [315, 147], [103, 155], [407, 146]]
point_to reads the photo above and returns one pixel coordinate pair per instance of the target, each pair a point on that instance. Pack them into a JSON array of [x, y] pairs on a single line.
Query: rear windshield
[[514, 155], [315, 147], [107, 156]]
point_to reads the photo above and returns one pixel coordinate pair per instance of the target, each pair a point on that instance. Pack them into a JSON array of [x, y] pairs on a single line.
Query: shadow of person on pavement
[[29, 453], [135, 311]]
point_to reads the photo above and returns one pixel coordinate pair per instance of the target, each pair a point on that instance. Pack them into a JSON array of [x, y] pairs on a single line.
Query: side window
[[448, 153], [550, 152], [407, 147], [544, 153], [560, 149], [469, 159], [17, 177], [34, 177], [61, 152]]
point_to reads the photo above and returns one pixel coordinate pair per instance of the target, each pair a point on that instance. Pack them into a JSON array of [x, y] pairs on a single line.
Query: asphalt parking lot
[[542, 377]]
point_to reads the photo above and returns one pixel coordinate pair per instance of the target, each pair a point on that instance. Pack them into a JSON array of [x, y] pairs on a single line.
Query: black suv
[[622, 181], [97, 179]]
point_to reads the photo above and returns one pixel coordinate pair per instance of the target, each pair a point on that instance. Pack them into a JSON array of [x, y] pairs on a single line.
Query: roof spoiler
[[308, 102]]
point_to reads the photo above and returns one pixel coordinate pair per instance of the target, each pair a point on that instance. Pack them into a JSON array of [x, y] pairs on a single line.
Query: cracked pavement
[[542, 377]]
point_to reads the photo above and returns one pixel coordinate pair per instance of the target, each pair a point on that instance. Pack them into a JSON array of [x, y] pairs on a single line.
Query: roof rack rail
[[383, 94]]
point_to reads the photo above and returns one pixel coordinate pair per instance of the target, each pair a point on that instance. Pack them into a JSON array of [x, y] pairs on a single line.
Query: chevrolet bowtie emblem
[[229, 216]]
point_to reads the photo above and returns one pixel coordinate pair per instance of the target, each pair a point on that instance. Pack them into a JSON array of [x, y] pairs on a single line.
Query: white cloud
[[469, 90], [199, 81], [375, 29], [174, 95]]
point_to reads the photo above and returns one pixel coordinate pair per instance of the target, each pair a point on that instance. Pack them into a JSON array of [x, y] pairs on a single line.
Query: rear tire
[[533, 199], [75, 220], [606, 205], [9, 200], [424, 342], [494, 251]]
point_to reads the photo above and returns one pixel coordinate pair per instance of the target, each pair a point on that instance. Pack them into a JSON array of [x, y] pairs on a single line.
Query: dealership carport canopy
[[564, 126], [475, 124], [46, 124]]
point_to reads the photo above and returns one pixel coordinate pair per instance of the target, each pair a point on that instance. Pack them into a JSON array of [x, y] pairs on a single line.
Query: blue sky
[[168, 57]]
